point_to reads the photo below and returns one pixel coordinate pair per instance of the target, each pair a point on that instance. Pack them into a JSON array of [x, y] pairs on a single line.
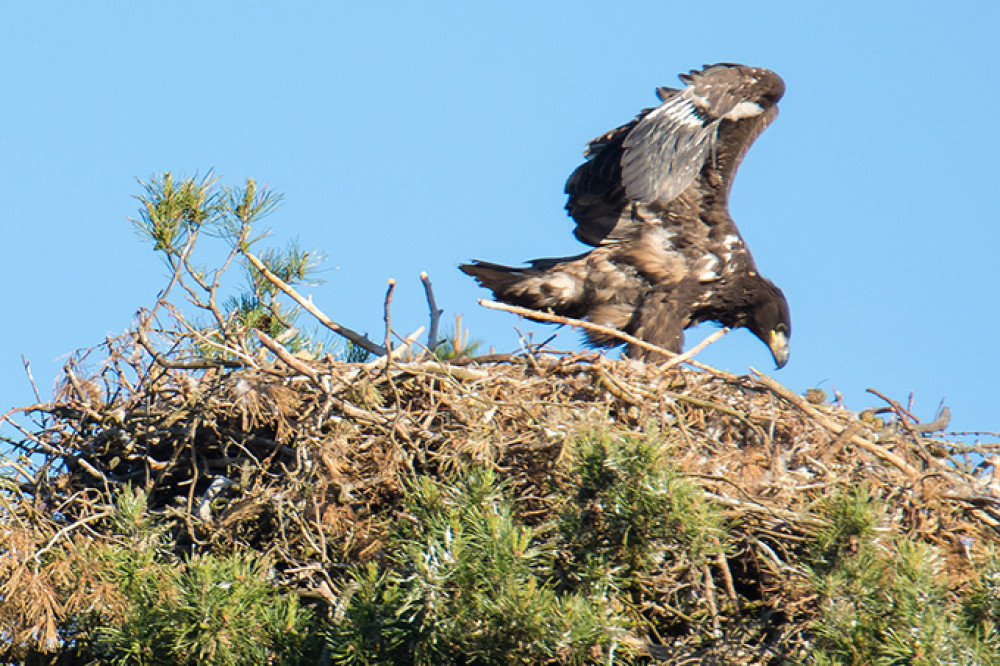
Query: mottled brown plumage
[[653, 200]]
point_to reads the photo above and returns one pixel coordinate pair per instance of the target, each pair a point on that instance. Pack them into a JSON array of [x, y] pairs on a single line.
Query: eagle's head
[[732, 91], [767, 316]]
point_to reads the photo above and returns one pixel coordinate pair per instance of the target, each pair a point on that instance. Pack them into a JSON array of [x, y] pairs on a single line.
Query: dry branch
[[435, 313], [605, 330], [834, 427], [307, 304], [388, 320]]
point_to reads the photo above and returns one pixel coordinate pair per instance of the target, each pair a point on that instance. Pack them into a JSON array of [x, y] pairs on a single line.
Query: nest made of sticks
[[305, 459]]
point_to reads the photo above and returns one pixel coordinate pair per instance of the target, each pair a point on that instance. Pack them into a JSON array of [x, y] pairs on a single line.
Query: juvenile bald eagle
[[653, 199]]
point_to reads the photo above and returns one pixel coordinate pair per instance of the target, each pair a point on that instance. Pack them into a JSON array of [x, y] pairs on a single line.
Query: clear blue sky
[[414, 136]]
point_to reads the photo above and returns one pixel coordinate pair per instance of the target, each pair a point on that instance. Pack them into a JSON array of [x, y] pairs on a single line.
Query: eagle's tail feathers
[[544, 286]]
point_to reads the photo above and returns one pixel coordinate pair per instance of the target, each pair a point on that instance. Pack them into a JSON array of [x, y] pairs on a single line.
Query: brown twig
[[386, 318], [31, 378], [940, 423], [727, 579], [604, 330], [973, 433], [902, 415], [833, 426], [694, 351], [142, 337], [435, 313], [355, 337], [66, 530], [613, 387], [288, 358], [710, 598], [841, 440], [389, 356], [900, 411]]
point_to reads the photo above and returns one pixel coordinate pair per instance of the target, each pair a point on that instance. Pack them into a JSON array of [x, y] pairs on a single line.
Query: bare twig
[[203, 340], [355, 337], [31, 378], [613, 387], [396, 352], [902, 415], [913, 425], [385, 315], [973, 433], [840, 442], [970, 448], [437, 368], [707, 404], [578, 323], [142, 337], [727, 579], [710, 598], [66, 530], [388, 345], [833, 426], [75, 383], [789, 516], [177, 264], [604, 330], [683, 358], [940, 423], [435, 313], [288, 358]]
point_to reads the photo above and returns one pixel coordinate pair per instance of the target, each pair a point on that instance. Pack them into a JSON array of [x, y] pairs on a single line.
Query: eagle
[[652, 198]]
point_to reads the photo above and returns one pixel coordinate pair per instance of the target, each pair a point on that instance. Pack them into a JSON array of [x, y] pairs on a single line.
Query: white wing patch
[[681, 110], [731, 242], [706, 268], [744, 109], [550, 291], [564, 288], [666, 149]]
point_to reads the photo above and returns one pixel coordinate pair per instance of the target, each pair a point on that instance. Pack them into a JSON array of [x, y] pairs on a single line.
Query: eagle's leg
[[659, 320]]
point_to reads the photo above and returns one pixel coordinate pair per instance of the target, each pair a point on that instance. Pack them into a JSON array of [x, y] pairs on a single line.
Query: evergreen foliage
[[159, 608], [205, 610], [630, 509], [884, 599], [457, 345], [469, 583]]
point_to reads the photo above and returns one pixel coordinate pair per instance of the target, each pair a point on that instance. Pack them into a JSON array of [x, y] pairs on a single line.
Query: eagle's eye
[[781, 328]]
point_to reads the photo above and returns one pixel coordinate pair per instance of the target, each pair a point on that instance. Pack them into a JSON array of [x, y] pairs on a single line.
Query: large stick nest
[[305, 460]]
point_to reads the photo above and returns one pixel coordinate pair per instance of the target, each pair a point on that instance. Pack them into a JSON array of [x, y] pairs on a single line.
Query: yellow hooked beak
[[778, 343]]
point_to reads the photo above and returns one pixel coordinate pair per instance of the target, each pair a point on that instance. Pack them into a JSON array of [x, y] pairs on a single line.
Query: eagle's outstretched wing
[[661, 153], [653, 198]]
